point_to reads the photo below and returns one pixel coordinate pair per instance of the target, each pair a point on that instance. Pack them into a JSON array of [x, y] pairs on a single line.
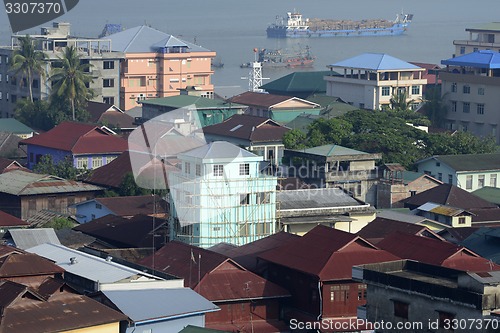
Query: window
[[245, 199], [218, 170], [480, 91], [480, 181], [475, 49], [187, 167], [7, 78], [98, 206], [466, 107], [386, 91], [263, 198], [108, 64], [108, 100], [454, 87], [14, 98], [108, 83], [415, 90], [480, 109], [0, 95], [468, 182], [198, 169], [96, 162], [0, 76], [109, 159], [493, 180], [361, 292], [401, 309], [461, 220], [361, 105], [438, 164], [35, 83], [244, 169], [440, 176], [81, 163], [445, 319], [453, 106], [450, 179], [462, 49], [466, 89], [31, 157]]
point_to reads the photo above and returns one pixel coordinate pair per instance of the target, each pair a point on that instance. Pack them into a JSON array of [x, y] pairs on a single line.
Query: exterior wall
[[434, 168], [478, 40], [152, 75], [485, 124], [244, 312], [169, 326], [34, 154], [364, 89], [392, 195], [57, 202], [422, 308], [89, 160], [214, 203], [89, 211], [342, 298], [106, 328]]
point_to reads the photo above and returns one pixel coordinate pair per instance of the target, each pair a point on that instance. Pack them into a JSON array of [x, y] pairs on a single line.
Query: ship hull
[[283, 32]]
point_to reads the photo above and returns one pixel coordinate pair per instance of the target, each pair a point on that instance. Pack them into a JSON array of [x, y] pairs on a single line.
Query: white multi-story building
[[370, 80], [483, 37], [221, 196], [471, 91]]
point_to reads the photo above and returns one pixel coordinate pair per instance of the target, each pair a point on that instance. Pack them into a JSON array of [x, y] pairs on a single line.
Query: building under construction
[[220, 196]]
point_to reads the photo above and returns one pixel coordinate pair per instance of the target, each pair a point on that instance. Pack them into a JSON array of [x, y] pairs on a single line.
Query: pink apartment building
[[159, 65]]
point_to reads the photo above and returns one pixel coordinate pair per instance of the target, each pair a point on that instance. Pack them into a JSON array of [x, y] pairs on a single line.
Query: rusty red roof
[[381, 227], [212, 275], [134, 205], [251, 128], [7, 220], [8, 165], [18, 264], [434, 252], [447, 194], [140, 231], [78, 138], [326, 253], [5, 250], [62, 312], [109, 114]]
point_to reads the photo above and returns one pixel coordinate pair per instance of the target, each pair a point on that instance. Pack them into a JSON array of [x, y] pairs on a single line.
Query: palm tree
[[28, 61], [71, 78], [399, 101]]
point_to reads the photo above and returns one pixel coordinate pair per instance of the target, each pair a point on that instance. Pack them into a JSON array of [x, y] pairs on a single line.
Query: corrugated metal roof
[[314, 198], [25, 264], [220, 150], [7, 220], [331, 150], [88, 266], [480, 59], [151, 304], [144, 39], [299, 82], [492, 26], [19, 182], [181, 101], [26, 238], [375, 61], [490, 194], [270, 100], [12, 125], [469, 162]]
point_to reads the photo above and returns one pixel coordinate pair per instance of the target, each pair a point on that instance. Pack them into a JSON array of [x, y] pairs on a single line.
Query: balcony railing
[[351, 175]]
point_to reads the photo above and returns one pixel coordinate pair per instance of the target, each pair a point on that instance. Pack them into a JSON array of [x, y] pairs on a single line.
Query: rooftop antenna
[[255, 76]]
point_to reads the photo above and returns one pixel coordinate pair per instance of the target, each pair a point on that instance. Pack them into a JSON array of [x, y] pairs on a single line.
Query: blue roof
[[375, 61], [480, 59], [144, 39]]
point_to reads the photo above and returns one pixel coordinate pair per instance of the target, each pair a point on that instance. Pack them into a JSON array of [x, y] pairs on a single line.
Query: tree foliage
[[70, 79], [387, 132], [435, 107], [63, 169], [59, 223], [28, 61]]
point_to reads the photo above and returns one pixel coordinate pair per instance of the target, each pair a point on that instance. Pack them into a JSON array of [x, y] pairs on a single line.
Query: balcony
[[351, 175], [475, 43]]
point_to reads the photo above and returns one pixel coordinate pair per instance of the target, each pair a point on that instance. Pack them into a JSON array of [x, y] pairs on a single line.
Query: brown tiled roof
[[79, 138], [247, 255], [251, 128], [485, 214], [434, 252], [137, 231], [220, 277], [326, 253], [134, 205], [7, 220], [108, 114], [450, 195], [26, 264], [381, 227], [261, 99], [9, 146], [458, 234], [60, 313], [7, 165]]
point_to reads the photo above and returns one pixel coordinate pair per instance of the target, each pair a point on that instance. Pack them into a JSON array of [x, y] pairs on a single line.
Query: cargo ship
[[276, 58], [294, 26]]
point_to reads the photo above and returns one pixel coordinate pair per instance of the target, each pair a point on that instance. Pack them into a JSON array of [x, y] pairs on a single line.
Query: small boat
[[279, 58], [294, 26]]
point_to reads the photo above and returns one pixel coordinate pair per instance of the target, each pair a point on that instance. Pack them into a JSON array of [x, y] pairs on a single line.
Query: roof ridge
[[381, 59], [133, 38]]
